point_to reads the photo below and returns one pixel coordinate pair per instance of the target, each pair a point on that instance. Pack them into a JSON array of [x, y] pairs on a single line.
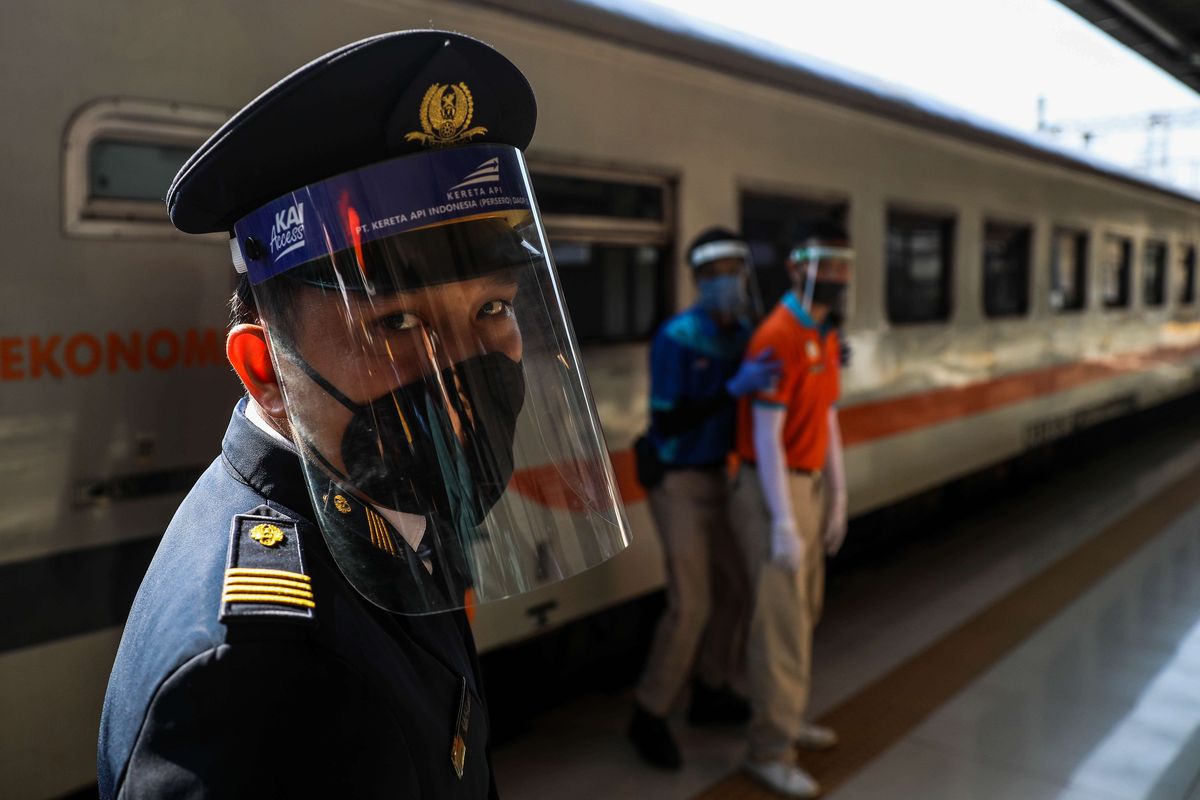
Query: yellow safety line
[[268, 573], [266, 598]]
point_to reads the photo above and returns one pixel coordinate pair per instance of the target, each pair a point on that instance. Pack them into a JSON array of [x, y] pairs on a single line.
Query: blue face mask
[[725, 294]]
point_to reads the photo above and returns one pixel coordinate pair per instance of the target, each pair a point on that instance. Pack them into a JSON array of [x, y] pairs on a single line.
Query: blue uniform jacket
[[691, 358], [341, 699]]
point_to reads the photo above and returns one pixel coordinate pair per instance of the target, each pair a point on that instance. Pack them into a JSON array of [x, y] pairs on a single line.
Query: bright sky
[[992, 57]]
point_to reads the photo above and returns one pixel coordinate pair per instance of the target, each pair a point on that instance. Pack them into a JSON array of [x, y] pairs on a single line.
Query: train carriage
[[1006, 293]]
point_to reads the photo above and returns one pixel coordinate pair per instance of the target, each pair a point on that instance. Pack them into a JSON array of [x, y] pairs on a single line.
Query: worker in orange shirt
[[789, 503]]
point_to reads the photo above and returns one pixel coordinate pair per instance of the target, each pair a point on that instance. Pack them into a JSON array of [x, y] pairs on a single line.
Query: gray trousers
[[787, 606], [708, 599]]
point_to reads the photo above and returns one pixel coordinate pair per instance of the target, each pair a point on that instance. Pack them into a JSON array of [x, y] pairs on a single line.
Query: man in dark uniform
[[300, 631]]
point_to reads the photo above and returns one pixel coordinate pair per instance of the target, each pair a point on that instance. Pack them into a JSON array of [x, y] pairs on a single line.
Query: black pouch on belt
[[649, 466]]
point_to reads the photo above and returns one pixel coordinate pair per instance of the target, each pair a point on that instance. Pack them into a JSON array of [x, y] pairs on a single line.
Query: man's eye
[[495, 308], [402, 321]]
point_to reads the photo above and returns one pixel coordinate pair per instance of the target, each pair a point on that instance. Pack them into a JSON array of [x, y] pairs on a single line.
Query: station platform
[[1047, 646]]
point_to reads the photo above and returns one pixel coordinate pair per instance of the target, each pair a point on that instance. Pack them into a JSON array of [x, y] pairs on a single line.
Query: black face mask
[[401, 449], [833, 295]]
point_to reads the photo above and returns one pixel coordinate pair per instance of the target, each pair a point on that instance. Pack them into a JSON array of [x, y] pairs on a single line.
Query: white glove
[[835, 526], [835, 475], [787, 549]]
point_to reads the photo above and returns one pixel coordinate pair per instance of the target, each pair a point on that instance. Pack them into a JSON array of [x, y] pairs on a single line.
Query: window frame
[[617, 231], [947, 217], [1084, 253], [1187, 256], [609, 230], [133, 122], [1130, 276], [1010, 223], [1163, 246]]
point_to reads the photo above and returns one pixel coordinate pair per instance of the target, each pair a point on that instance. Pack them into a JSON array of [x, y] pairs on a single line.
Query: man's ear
[[249, 352]]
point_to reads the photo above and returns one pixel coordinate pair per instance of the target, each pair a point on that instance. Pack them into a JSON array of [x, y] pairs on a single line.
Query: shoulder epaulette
[[265, 575]]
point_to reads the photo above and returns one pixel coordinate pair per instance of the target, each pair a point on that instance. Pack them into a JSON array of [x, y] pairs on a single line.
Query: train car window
[[1187, 277], [1068, 270], [612, 290], [1154, 273], [573, 195], [1006, 269], [612, 240], [919, 267], [118, 160], [773, 225], [1116, 268], [133, 170]]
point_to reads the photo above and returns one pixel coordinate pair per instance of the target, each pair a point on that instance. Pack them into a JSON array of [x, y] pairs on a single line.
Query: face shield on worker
[[725, 277], [431, 380], [822, 269], [725, 281]]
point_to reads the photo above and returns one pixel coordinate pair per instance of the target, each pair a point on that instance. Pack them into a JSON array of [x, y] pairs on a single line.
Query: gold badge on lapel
[[341, 504], [446, 112], [266, 534]]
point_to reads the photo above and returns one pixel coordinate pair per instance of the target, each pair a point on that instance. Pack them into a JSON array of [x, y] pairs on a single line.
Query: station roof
[[1167, 32]]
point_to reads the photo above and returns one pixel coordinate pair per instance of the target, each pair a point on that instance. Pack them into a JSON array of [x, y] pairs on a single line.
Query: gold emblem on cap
[[341, 504], [266, 534], [446, 112]]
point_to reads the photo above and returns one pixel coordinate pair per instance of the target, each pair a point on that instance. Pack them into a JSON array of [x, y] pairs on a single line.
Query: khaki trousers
[[708, 593], [787, 606]]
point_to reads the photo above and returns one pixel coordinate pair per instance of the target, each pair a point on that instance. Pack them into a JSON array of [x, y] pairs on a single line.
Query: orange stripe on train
[[871, 421], [868, 422]]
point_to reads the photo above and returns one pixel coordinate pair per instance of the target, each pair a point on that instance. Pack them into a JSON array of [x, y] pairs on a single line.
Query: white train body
[[113, 385]]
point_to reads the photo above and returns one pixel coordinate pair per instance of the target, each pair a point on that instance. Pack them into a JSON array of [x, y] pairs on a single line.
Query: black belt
[[711, 467], [814, 473]]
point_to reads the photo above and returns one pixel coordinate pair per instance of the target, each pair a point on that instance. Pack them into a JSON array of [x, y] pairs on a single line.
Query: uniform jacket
[[691, 358], [321, 694]]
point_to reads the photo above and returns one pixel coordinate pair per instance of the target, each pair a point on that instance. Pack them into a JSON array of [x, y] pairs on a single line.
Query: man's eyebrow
[[506, 277], [493, 280], [502, 280]]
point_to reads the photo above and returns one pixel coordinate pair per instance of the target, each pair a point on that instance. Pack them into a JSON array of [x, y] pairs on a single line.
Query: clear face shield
[[432, 381], [826, 273], [734, 291]]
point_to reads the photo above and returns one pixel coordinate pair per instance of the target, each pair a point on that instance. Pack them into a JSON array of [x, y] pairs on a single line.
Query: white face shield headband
[[715, 251]]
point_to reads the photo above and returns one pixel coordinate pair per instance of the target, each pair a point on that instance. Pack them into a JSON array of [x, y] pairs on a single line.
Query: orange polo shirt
[[807, 386]]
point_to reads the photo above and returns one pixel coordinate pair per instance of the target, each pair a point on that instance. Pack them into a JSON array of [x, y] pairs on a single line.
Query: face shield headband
[[714, 251], [349, 213]]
